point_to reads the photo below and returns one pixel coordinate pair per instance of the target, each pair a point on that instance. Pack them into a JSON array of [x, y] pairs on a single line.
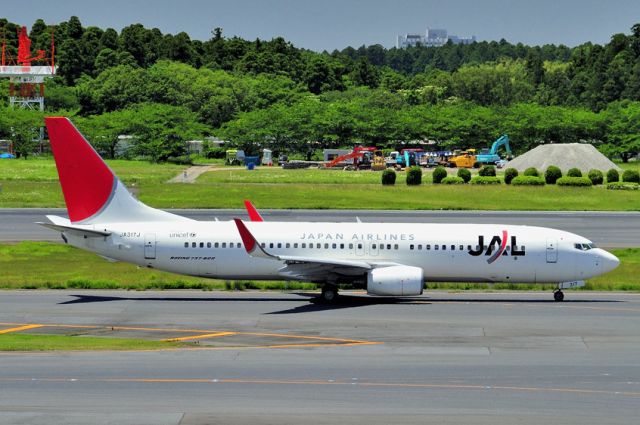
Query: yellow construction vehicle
[[379, 162], [466, 159]]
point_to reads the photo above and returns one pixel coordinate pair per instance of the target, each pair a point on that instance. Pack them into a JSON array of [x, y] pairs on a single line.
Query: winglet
[[250, 243], [254, 215]]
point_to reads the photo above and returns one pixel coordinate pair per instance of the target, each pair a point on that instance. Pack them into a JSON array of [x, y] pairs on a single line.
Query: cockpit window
[[584, 246]]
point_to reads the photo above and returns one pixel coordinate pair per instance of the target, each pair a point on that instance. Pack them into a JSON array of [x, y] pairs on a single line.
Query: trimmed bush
[[438, 174], [527, 181], [464, 174], [414, 176], [552, 174], [596, 177], [452, 180], [574, 172], [485, 180], [487, 171], [574, 181], [531, 171], [613, 176], [631, 176], [623, 186], [509, 175], [388, 177]]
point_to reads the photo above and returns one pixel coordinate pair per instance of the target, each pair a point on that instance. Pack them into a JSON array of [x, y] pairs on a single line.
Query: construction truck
[[490, 156], [466, 159], [409, 157], [358, 158]]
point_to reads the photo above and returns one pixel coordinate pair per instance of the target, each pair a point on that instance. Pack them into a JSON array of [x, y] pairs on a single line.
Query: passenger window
[[381, 246], [279, 245], [288, 245], [395, 246], [453, 247], [271, 245], [230, 244], [217, 245], [186, 244], [224, 244], [264, 245], [304, 245], [326, 246], [419, 247], [461, 247], [341, 246], [468, 247], [411, 247], [333, 246], [208, 244], [318, 245], [239, 245], [373, 246], [295, 245], [201, 244], [359, 246], [193, 244], [444, 247], [350, 246], [388, 246], [435, 247]]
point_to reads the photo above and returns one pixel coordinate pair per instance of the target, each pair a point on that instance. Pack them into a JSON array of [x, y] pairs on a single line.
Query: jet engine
[[395, 281]]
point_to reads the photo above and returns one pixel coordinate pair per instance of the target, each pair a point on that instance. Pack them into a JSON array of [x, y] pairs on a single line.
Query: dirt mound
[[585, 157]]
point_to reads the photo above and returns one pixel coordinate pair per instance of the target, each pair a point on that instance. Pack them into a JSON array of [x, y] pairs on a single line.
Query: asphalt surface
[[440, 358], [607, 229]]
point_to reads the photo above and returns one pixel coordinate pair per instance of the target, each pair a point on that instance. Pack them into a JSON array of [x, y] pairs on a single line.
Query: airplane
[[385, 259]]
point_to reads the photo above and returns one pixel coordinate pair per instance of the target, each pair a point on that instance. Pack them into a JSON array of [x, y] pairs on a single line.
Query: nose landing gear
[[558, 295]]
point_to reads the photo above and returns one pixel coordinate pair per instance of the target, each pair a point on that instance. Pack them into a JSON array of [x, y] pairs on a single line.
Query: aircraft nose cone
[[609, 261]]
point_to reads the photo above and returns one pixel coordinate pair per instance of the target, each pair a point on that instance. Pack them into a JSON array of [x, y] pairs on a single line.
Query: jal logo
[[496, 247]]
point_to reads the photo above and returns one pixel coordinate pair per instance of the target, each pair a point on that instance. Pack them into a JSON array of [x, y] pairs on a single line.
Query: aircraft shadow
[[316, 304]]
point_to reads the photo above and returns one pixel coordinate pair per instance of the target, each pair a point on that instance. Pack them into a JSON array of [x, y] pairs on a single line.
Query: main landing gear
[[329, 293], [558, 295]]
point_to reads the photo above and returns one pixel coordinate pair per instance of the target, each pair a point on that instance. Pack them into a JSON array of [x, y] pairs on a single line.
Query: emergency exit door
[[150, 246]]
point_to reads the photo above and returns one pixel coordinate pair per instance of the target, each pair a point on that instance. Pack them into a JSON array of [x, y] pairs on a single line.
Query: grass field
[[33, 183], [34, 342], [401, 197], [45, 265]]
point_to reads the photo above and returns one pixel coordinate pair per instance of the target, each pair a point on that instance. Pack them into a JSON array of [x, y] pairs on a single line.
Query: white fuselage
[[445, 252]]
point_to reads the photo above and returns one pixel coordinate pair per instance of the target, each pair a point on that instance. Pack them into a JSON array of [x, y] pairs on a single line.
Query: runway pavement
[[489, 358], [607, 229]]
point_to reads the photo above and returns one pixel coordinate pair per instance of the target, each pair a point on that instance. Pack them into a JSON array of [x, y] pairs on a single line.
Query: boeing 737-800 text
[[386, 259]]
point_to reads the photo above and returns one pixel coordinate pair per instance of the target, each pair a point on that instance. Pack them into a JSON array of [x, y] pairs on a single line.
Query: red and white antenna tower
[[26, 82]]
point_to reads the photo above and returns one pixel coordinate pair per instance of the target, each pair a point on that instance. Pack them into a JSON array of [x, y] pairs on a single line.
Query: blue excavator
[[491, 156]]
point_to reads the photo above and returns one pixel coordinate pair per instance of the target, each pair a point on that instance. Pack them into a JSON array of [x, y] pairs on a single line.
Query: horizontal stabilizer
[[64, 225]]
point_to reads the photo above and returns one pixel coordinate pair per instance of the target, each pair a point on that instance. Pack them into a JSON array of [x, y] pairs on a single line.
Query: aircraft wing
[[308, 268], [62, 224]]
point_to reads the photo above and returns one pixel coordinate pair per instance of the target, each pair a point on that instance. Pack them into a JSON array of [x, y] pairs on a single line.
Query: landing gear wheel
[[329, 294], [558, 296]]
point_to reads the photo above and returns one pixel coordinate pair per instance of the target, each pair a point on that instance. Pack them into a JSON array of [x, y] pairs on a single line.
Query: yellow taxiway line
[[202, 336], [20, 328]]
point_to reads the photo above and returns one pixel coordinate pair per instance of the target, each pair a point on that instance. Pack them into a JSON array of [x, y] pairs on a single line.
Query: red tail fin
[[254, 215], [87, 182]]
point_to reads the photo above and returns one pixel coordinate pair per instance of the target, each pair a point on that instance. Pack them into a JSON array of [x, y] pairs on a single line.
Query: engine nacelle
[[395, 281]]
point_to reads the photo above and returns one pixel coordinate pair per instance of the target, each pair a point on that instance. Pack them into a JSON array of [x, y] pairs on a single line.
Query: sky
[[335, 24]]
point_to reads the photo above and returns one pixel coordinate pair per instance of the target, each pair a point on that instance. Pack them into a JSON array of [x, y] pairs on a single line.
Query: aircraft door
[[150, 246], [359, 248], [552, 250], [373, 248]]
